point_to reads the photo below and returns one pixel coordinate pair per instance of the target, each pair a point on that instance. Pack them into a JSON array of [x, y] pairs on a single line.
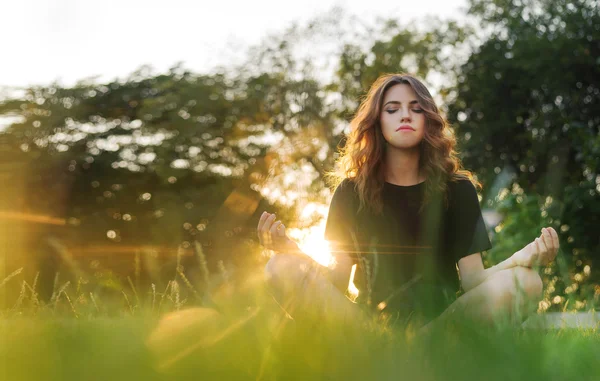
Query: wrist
[[292, 247], [514, 259]]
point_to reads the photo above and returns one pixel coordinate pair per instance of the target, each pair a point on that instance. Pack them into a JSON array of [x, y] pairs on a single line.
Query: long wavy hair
[[362, 158]]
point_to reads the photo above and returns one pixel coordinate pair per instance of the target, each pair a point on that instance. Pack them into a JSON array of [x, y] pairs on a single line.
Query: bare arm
[[472, 272], [539, 252]]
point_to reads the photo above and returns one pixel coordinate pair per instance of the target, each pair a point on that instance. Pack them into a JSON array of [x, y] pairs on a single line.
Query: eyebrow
[[399, 103]]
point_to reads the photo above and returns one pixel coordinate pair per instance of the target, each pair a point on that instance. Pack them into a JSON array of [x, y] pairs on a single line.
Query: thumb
[[281, 230]]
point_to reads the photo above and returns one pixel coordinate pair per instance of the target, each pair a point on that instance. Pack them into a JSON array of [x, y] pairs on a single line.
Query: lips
[[405, 127]]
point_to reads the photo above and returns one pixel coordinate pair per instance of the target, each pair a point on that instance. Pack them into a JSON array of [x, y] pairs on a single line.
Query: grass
[[238, 332], [259, 345]]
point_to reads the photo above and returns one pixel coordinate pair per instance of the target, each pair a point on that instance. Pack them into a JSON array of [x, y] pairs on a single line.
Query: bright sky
[[67, 40]]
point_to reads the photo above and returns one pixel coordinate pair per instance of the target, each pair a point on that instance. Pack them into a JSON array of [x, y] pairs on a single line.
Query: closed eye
[[417, 110]]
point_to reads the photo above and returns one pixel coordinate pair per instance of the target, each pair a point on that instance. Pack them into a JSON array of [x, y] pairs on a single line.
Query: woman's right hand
[[271, 234]]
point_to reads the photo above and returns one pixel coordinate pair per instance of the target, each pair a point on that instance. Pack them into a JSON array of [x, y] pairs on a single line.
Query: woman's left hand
[[539, 252]]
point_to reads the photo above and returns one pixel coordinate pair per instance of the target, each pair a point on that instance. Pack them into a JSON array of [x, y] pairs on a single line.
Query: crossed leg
[[507, 297], [300, 286]]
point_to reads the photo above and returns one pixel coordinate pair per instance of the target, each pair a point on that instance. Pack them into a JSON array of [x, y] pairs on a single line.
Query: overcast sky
[[67, 40]]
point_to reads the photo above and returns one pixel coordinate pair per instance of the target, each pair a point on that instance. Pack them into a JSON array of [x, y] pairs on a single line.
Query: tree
[[527, 101]]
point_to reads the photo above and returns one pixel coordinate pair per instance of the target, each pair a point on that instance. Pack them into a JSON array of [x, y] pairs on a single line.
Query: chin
[[404, 145]]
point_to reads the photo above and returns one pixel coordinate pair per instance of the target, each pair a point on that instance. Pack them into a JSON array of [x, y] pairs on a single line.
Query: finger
[[554, 244], [542, 245], [538, 251], [267, 239], [268, 222], [554, 238], [261, 222], [547, 238], [275, 227], [282, 230], [544, 253]]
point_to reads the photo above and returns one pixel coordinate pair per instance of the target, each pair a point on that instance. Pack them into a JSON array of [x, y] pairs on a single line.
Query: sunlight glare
[[352, 291], [310, 240], [317, 248]]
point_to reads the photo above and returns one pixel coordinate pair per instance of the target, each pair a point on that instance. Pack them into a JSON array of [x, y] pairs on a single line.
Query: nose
[[404, 115]]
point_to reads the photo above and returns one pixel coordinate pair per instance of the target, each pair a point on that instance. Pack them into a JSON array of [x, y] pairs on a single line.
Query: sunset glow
[[317, 248]]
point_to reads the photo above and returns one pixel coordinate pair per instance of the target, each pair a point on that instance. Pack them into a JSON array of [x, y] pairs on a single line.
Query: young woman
[[405, 222]]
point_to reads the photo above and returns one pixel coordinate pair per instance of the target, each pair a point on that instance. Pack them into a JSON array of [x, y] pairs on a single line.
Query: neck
[[402, 166]]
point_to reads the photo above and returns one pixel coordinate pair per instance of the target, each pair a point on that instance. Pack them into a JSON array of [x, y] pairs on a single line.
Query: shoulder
[[462, 190], [342, 209], [345, 193], [344, 188], [462, 185]]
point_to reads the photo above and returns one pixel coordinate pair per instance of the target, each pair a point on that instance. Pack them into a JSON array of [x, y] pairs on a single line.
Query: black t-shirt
[[407, 256]]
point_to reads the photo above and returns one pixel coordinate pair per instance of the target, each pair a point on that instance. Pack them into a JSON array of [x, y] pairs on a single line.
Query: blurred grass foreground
[[242, 333], [128, 208]]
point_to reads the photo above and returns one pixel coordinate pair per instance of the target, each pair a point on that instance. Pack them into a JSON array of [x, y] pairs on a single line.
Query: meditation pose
[[404, 226]]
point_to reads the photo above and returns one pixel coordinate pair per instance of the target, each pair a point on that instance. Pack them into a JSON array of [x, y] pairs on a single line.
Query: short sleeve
[[467, 227], [339, 228]]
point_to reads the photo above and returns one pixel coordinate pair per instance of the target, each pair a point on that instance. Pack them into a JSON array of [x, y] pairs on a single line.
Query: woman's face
[[402, 119]]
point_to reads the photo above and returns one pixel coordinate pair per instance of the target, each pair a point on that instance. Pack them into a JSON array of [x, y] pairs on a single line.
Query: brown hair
[[362, 157]]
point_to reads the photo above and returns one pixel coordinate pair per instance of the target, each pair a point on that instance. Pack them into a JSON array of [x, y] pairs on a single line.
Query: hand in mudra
[[540, 252], [271, 234]]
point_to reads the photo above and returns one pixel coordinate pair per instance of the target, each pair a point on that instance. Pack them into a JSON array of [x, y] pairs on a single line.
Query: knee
[[529, 282], [272, 266], [284, 264], [520, 282], [284, 269]]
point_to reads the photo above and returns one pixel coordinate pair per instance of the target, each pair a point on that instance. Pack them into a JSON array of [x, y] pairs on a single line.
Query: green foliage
[[401, 49], [162, 161], [526, 102], [518, 108]]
